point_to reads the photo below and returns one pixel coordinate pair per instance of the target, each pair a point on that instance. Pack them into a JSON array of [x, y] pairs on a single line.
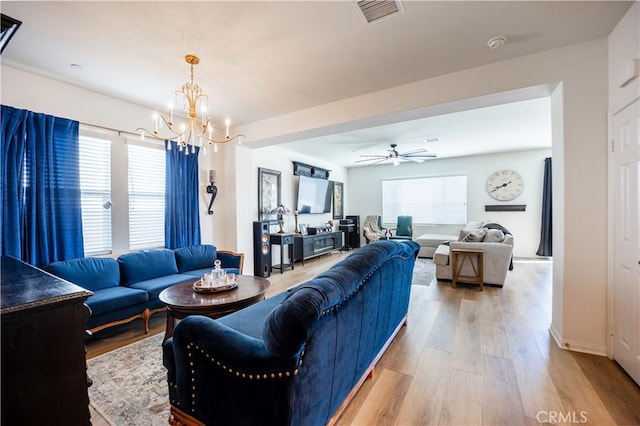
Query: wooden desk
[[461, 256], [283, 240]]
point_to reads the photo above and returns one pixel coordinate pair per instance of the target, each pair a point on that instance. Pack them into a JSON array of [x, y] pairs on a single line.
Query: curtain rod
[[119, 132]]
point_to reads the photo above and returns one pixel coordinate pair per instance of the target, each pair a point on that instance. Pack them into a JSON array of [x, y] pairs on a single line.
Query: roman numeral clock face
[[505, 185]]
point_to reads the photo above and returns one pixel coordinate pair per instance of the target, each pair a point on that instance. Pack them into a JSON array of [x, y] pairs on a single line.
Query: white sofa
[[496, 259], [430, 242]]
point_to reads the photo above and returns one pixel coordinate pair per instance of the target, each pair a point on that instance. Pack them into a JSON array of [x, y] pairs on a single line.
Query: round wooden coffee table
[[182, 301]]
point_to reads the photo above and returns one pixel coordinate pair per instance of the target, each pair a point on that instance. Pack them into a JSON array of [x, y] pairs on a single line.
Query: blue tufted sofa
[[128, 287], [298, 357]]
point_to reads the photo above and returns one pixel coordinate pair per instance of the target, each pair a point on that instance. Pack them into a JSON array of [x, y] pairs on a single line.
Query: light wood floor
[[469, 358]]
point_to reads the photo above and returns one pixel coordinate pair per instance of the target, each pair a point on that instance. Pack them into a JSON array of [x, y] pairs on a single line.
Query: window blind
[[95, 188], [146, 196], [432, 200]]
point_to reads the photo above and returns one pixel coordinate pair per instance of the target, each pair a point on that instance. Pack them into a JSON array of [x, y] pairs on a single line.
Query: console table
[[44, 369], [308, 246], [283, 240]]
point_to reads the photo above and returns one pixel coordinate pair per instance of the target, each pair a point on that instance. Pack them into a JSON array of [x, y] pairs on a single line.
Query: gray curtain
[[546, 230]]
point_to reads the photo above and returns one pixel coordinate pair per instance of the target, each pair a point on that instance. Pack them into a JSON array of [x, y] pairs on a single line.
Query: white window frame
[[119, 182]]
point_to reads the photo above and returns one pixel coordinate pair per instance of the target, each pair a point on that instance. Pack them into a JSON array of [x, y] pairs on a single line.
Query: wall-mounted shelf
[[505, 207], [302, 169]]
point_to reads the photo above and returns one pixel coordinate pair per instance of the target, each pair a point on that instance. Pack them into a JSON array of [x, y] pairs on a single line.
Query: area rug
[[130, 384], [424, 271]]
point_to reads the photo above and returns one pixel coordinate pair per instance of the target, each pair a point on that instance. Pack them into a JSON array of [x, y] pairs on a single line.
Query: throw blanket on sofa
[[505, 231]]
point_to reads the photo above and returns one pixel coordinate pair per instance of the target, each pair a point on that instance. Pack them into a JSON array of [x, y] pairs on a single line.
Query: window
[[146, 196], [433, 200], [95, 188]]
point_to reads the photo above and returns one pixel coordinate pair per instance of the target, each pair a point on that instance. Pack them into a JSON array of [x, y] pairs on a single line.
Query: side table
[[461, 256], [283, 240]]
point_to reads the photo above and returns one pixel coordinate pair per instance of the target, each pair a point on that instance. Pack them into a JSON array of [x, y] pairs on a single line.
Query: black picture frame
[[338, 200], [269, 193]]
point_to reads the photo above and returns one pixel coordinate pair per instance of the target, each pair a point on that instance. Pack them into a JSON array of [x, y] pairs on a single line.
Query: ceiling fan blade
[[414, 159], [377, 157], [426, 155], [415, 151], [379, 161], [373, 156]]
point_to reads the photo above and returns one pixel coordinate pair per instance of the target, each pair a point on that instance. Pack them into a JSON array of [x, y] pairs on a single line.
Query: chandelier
[[192, 133]]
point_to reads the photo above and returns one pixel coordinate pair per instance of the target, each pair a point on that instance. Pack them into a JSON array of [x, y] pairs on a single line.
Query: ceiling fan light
[[396, 162]]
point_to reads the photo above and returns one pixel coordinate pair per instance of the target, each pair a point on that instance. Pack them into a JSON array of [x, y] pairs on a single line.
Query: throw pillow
[[463, 233], [475, 236], [494, 236], [472, 225]]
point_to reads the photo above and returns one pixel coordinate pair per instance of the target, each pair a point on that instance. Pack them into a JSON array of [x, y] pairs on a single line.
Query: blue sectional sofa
[[298, 357], [128, 287]]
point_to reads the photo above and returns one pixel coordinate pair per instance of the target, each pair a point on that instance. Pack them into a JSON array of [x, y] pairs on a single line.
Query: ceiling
[[264, 59]]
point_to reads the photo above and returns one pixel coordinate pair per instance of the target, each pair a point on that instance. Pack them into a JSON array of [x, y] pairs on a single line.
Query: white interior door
[[626, 303]]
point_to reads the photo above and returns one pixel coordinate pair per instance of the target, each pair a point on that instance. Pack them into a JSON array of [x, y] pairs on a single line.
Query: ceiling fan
[[417, 155]]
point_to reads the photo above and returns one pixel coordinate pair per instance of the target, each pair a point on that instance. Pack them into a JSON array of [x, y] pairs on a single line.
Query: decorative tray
[[198, 288]]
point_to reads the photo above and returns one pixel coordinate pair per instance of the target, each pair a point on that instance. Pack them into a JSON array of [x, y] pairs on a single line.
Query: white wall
[[580, 71], [25, 90], [366, 196], [576, 76], [279, 159]]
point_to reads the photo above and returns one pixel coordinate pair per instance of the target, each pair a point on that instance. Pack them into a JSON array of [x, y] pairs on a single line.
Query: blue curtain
[[42, 216], [546, 230], [182, 221]]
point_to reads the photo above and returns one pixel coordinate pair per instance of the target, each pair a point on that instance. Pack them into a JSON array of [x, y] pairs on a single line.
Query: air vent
[[376, 10], [9, 27]]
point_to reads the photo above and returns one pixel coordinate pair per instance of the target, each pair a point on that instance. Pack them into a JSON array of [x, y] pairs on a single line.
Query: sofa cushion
[[287, 326], [494, 236], [92, 273], [471, 225], [250, 320], [155, 285], [194, 257], [475, 236], [145, 265], [114, 298]]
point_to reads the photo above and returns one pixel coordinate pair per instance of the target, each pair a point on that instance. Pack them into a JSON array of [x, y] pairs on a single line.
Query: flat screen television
[[314, 195]]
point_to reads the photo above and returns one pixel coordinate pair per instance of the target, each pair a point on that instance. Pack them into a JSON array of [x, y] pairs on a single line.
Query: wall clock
[[505, 185]]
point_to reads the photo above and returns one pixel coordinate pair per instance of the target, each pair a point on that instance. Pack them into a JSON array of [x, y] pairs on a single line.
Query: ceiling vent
[[378, 10], [9, 27]]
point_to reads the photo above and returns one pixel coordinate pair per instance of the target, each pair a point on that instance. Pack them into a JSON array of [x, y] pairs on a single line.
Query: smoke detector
[[496, 42]]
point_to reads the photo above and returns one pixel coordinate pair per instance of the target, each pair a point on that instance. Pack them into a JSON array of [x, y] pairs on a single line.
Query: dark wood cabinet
[[44, 369], [308, 246]]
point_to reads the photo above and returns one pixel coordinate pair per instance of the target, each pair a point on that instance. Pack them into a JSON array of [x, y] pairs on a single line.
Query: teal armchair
[[403, 230]]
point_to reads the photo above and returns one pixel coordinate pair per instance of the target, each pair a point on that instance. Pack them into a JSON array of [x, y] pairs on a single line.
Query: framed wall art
[[338, 200], [269, 193]]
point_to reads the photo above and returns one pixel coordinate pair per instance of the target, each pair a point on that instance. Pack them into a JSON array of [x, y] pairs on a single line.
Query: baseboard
[[576, 346]]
